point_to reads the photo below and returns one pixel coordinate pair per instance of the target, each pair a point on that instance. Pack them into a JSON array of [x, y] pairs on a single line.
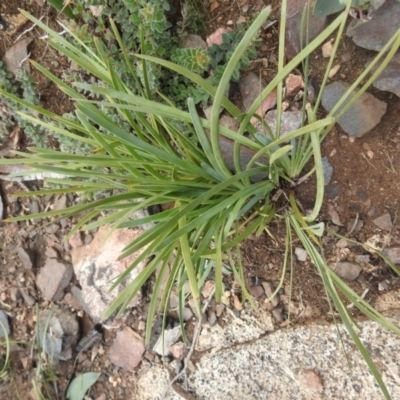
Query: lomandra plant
[[215, 206]]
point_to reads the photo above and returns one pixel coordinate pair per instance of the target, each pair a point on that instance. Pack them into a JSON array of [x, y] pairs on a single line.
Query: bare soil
[[365, 185]]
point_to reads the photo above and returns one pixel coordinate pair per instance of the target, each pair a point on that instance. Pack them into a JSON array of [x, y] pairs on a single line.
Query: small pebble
[[4, 326], [384, 285], [52, 228], [219, 309], [256, 291], [384, 222], [348, 270], [277, 313], [301, 254], [34, 207], [212, 320]]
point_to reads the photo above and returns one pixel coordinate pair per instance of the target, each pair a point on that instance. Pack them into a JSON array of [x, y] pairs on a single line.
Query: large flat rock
[[293, 27], [362, 116], [376, 32], [303, 363], [389, 79]]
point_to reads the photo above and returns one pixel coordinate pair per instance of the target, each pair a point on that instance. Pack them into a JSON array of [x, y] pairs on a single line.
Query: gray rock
[[193, 41], [96, 264], [29, 300], [4, 325], [348, 270], [355, 225], [187, 314], [167, 339], [278, 314], [328, 170], [58, 333], [61, 202], [376, 32], [17, 56], [362, 117], [53, 278], [25, 258], [246, 154], [393, 254], [250, 87], [153, 383], [293, 26], [384, 222], [384, 285], [389, 79], [212, 320], [127, 349], [256, 291], [373, 211], [332, 191], [34, 207], [290, 121], [53, 228], [88, 238], [364, 258]]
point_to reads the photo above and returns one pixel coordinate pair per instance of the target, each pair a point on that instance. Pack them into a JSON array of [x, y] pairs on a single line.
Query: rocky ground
[[53, 292]]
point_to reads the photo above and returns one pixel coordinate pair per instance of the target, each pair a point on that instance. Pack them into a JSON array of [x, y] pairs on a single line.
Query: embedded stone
[[362, 116]]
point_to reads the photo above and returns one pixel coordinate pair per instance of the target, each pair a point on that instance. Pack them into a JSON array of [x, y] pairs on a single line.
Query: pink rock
[[293, 84], [207, 289], [96, 264], [309, 380], [76, 240], [53, 278], [127, 349], [177, 350], [216, 37]]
